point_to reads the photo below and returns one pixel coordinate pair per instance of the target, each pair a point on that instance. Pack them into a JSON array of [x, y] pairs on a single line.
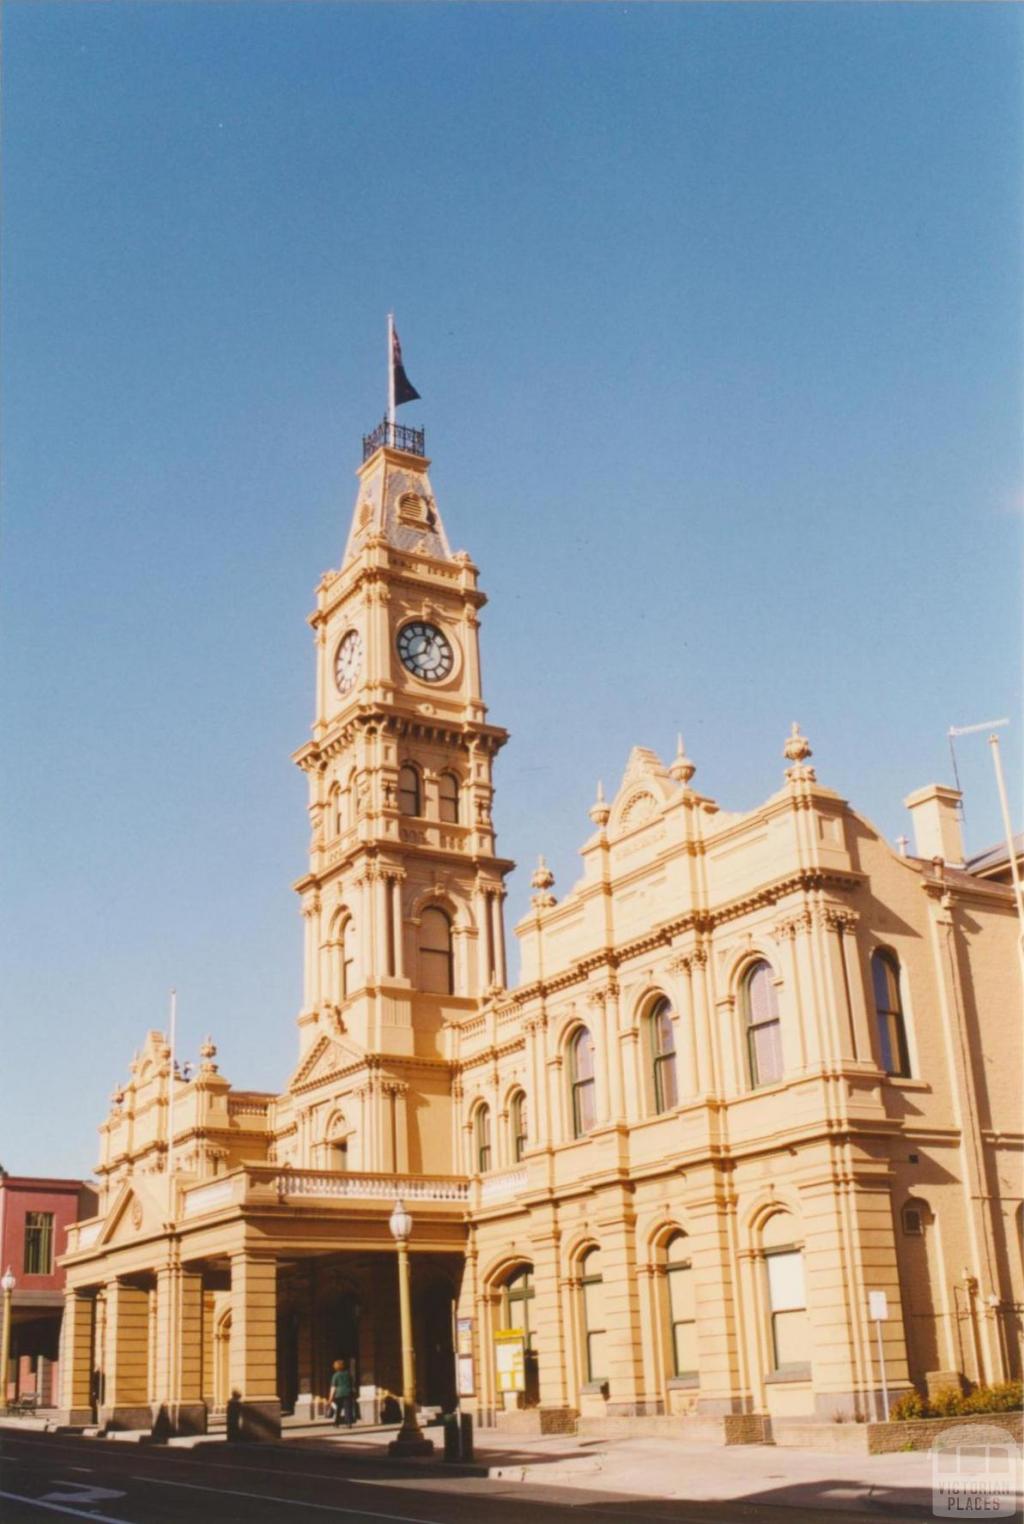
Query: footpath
[[759, 1475]]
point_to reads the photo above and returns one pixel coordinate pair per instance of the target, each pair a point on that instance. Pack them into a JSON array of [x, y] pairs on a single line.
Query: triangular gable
[[646, 786], [326, 1058], [134, 1209]]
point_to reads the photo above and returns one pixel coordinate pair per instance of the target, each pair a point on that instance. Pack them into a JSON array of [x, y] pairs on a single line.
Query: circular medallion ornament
[[425, 652], [347, 661]]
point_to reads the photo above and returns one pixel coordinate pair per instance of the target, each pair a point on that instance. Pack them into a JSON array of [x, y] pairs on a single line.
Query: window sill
[[594, 1388], [683, 1383], [788, 1373], [906, 1082]]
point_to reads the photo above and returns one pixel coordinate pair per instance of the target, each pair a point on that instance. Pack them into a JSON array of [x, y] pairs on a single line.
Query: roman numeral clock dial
[[425, 651], [347, 661]]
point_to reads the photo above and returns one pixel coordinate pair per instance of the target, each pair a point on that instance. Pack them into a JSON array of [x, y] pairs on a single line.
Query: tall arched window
[[892, 1031], [482, 1138], [516, 1296], [337, 1143], [518, 1118], [347, 958], [594, 1323], [787, 1298], [764, 1031], [663, 1056], [436, 972], [682, 1312], [334, 819], [581, 1082], [448, 798], [409, 796]]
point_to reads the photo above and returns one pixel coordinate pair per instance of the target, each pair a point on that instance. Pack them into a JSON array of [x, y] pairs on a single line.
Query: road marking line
[[78, 1513], [266, 1497]]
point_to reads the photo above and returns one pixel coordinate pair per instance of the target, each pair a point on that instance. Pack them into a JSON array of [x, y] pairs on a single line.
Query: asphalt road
[[57, 1476]]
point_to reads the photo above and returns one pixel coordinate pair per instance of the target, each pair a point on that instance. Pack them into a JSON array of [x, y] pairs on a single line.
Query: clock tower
[[403, 901]]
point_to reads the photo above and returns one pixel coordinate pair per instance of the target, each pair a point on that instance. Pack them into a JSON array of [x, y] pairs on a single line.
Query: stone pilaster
[[125, 1402], [76, 1358], [254, 1403]]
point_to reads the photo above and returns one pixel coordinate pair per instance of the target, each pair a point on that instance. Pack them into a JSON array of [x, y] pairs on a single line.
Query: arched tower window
[[482, 1138], [662, 1030], [581, 1082], [334, 816], [764, 1030], [892, 1030], [409, 792], [682, 1311], [448, 798], [436, 964], [594, 1322], [347, 958], [519, 1121]]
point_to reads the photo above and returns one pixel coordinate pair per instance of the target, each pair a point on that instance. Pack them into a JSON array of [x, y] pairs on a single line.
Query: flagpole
[[391, 378], [170, 1106]]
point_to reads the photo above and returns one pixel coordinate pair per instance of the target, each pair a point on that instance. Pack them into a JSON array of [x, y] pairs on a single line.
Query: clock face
[[347, 661], [425, 652]]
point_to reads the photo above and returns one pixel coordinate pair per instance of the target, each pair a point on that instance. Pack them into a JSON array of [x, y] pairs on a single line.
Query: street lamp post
[[410, 1440], [7, 1284]]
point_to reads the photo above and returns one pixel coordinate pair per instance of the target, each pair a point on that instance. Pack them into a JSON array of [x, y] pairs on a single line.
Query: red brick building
[[34, 1218]]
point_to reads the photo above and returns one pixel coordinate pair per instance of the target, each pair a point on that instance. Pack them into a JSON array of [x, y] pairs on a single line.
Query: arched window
[[516, 1296], [409, 799], [581, 1082], [482, 1138], [337, 1143], [448, 798], [892, 1031], [764, 1031], [334, 816], [682, 1312], [787, 1298], [436, 974], [663, 1056], [594, 1325], [347, 958], [518, 1118]]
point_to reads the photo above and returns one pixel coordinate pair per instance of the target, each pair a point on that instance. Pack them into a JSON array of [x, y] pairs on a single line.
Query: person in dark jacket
[[343, 1395]]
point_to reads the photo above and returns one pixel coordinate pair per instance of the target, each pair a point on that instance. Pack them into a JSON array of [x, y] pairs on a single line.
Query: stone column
[[125, 1402], [180, 1408], [76, 1358], [254, 1402], [721, 1387], [501, 965]]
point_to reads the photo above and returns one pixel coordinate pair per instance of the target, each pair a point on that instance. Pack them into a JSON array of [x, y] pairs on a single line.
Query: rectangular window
[[787, 1298], [584, 1110], [39, 1243], [683, 1316], [593, 1315]]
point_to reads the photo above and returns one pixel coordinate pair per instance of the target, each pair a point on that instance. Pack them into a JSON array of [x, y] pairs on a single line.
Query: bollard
[[466, 1435], [451, 1436]]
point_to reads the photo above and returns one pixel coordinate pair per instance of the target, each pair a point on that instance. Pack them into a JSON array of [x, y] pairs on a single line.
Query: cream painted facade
[[757, 1065]]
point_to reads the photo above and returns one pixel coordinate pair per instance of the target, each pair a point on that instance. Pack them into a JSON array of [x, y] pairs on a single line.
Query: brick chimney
[[935, 811]]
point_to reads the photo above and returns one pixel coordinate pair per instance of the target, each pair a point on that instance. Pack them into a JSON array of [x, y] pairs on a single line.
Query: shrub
[[910, 1405], [949, 1403], [1004, 1397]]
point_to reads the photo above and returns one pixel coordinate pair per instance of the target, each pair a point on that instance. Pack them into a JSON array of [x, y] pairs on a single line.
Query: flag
[[404, 389]]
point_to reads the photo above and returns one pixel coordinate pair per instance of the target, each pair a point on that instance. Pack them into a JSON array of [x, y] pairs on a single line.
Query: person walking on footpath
[[342, 1395]]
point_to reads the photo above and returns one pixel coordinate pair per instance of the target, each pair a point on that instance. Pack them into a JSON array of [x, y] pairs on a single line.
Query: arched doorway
[[516, 1311]]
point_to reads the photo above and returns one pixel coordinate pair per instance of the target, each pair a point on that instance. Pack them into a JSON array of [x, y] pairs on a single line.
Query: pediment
[[135, 1211], [645, 788], [327, 1058]]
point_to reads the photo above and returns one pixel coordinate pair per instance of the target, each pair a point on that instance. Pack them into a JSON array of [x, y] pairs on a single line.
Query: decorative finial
[[902, 843], [798, 749], [542, 880], [599, 811], [682, 768], [208, 1052]]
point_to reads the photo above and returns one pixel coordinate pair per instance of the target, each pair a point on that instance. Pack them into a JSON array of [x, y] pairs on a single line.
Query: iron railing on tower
[[397, 436]]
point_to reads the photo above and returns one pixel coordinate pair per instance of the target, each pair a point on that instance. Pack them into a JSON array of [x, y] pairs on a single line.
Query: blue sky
[[715, 312]]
